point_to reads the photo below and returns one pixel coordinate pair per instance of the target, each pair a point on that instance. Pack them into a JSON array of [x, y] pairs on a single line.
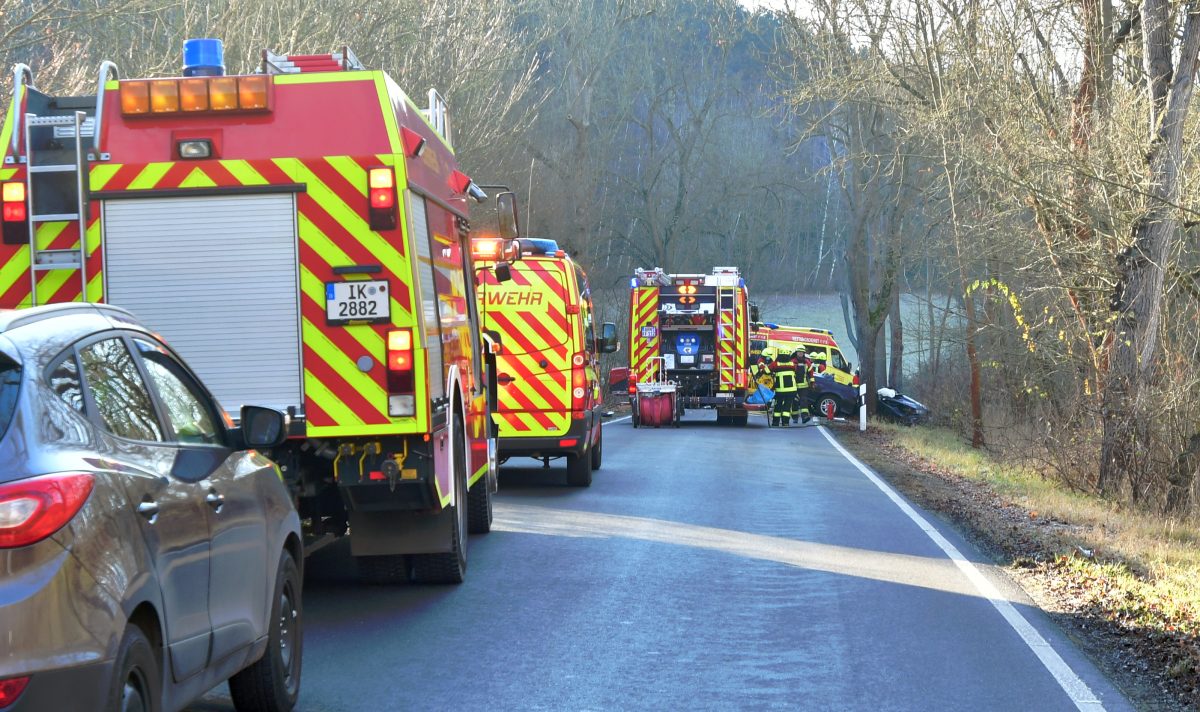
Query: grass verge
[[1126, 584]]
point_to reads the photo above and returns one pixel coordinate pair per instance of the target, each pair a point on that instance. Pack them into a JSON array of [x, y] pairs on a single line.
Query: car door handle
[[148, 509], [215, 499]]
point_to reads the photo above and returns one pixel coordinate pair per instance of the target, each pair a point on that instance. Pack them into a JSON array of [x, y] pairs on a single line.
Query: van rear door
[[529, 312]]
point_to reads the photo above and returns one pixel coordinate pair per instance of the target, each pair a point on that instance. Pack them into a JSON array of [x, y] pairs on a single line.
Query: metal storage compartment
[[217, 277]]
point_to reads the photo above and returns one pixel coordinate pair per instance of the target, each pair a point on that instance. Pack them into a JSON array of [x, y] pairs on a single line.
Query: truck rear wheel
[[450, 566], [579, 470], [479, 508]]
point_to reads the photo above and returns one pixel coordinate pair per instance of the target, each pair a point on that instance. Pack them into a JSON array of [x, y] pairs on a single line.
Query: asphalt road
[[706, 568]]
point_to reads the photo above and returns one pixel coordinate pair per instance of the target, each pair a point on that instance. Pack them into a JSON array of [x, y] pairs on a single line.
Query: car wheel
[[598, 450], [272, 683], [135, 686], [822, 404], [450, 566], [579, 470]]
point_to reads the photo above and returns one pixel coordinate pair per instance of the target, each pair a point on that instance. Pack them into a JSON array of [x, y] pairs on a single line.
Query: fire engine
[[300, 234], [692, 330]]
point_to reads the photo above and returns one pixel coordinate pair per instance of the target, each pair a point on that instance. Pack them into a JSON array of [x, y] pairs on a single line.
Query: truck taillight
[[400, 378], [16, 211], [381, 197]]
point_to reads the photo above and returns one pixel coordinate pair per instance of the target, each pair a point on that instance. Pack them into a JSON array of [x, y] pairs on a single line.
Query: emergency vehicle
[[693, 330], [835, 381], [548, 366], [300, 235]]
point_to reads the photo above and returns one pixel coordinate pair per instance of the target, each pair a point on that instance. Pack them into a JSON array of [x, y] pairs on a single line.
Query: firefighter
[[804, 374], [784, 371], [760, 372]]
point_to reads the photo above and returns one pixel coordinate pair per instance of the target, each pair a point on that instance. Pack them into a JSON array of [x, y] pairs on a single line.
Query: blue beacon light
[[203, 57]]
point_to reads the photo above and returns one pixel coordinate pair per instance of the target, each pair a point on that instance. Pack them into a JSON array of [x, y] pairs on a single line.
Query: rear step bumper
[[578, 431]]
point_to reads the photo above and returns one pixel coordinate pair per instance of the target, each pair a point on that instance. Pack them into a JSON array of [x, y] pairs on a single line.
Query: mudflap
[[390, 532]]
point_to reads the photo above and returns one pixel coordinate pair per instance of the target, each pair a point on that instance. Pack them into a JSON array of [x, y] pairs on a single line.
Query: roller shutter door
[[217, 278]]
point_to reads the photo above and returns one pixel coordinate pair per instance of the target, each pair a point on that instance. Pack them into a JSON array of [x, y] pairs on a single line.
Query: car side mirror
[[263, 427], [506, 213], [608, 338]]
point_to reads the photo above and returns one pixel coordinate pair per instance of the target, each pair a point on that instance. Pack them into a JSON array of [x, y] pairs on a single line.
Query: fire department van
[[547, 370], [300, 234]]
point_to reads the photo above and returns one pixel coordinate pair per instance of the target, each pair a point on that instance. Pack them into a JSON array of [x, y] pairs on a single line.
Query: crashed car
[[899, 408]]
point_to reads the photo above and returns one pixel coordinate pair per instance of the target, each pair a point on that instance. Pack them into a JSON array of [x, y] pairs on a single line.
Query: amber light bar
[[156, 97]]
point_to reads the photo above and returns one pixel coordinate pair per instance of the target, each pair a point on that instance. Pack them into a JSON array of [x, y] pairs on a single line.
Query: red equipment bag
[[656, 409]]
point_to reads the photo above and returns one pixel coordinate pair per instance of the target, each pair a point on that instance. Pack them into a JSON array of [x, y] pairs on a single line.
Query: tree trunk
[[896, 322], [1141, 268]]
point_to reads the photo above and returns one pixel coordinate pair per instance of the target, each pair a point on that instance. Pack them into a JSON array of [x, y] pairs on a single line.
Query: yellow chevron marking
[[244, 172], [47, 232], [16, 268], [328, 402], [51, 282], [197, 179], [342, 363], [93, 238], [354, 224], [354, 174], [95, 290], [6, 173], [150, 176], [100, 175]]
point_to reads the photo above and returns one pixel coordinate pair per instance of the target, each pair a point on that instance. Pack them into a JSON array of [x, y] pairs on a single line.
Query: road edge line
[[1074, 686], [618, 420]]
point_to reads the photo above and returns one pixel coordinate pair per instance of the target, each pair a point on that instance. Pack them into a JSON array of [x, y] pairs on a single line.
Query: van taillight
[[381, 197], [35, 508], [400, 379], [578, 386]]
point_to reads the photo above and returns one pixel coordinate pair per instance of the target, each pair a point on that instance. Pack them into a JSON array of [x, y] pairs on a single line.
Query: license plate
[[357, 302]]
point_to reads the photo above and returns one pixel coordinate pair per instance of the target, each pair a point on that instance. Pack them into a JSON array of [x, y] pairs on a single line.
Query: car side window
[[121, 397], [65, 382], [185, 404]]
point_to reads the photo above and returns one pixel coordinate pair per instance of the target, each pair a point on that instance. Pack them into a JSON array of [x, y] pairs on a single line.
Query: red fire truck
[[691, 330], [300, 235]]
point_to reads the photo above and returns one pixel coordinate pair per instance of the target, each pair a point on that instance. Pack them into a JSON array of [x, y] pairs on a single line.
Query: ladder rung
[[61, 168], [56, 217], [51, 266], [51, 120], [44, 260]]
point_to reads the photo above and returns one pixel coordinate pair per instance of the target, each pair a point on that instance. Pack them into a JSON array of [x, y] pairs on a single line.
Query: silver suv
[[147, 552]]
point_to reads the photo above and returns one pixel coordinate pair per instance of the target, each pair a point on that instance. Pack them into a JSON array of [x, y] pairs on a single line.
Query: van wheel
[[598, 451], [579, 470], [272, 684], [479, 508], [450, 566], [135, 686]]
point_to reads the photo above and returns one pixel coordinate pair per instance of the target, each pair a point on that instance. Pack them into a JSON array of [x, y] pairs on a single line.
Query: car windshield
[[10, 387]]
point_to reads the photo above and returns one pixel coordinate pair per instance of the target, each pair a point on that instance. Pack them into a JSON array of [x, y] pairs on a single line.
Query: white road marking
[[619, 419], [1076, 688]]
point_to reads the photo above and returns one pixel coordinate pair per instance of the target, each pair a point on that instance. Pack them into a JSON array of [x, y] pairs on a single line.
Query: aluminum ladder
[[66, 128]]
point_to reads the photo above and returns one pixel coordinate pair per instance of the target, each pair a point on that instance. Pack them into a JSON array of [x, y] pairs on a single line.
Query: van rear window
[[10, 388]]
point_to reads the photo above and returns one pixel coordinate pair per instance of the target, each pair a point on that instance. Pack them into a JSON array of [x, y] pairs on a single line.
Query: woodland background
[[1021, 170]]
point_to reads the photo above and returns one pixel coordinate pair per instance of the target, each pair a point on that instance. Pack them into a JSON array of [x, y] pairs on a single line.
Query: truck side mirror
[[503, 271], [754, 313], [506, 213], [608, 338]]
